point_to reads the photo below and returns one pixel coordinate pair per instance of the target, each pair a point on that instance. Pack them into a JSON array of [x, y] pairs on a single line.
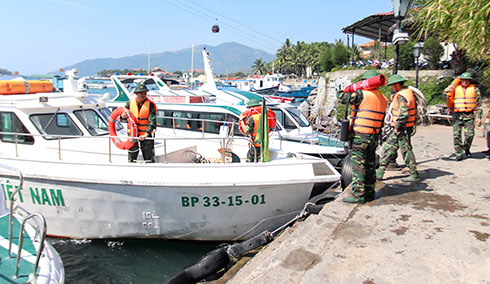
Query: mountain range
[[227, 57]]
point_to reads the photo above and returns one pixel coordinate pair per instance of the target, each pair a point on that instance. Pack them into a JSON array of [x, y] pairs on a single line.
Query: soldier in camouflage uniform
[[464, 100], [403, 111], [366, 123], [145, 112]]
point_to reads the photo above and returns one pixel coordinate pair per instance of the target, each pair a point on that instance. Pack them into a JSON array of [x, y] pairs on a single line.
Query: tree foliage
[[259, 67], [465, 23], [434, 50], [406, 59]]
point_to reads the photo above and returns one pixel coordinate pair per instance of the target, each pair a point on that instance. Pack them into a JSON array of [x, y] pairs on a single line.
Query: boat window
[[106, 112], [92, 121], [181, 119], [9, 122], [55, 124], [279, 118], [298, 117]]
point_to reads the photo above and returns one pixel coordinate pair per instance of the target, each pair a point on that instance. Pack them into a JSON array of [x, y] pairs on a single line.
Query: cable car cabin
[[215, 29]]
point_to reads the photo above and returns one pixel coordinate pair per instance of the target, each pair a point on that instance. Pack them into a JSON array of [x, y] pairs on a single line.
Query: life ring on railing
[[271, 118], [123, 144]]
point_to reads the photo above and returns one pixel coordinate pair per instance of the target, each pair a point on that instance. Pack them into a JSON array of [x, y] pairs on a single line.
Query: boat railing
[[12, 200], [224, 140], [38, 232], [42, 235]]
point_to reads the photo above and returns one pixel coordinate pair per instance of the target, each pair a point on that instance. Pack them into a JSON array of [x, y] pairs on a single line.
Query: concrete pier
[[433, 231]]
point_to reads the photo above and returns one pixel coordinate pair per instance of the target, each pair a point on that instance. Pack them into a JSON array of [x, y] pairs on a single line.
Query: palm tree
[[259, 67]]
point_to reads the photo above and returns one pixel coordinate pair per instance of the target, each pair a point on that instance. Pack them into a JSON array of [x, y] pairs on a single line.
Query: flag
[[263, 134]]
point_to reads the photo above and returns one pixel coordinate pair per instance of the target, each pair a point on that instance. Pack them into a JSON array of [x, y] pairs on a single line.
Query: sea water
[[126, 261]]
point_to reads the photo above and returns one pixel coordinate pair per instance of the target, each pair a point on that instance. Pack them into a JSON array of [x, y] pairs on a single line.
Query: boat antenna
[[192, 62]]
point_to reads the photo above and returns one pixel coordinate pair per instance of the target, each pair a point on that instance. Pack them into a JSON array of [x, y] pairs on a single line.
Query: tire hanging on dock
[[346, 172]]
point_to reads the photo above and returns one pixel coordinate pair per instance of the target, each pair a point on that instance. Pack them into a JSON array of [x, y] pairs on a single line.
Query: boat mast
[[192, 62], [149, 57]]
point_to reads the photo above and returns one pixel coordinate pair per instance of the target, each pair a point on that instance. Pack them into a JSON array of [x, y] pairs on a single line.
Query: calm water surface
[[127, 261]]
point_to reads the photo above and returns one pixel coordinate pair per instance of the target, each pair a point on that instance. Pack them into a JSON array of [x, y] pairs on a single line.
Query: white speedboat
[[26, 256], [85, 187]]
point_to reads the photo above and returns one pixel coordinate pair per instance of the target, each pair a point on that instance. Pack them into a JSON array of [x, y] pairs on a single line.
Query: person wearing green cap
[[145, 112], [402, 114], [368, 110], [465, 102], [250, 119]]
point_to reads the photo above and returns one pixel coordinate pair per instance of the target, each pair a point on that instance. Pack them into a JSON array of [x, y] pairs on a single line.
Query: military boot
[[412, 178], [380, 172]]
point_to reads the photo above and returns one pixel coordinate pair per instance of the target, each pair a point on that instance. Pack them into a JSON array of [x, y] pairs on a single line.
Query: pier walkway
[[434, 231]]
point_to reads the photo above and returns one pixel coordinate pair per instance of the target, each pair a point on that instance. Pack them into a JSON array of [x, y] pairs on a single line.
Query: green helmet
[[139, 88], [369, 74], [396, 78], [466, 76], [253, 102]]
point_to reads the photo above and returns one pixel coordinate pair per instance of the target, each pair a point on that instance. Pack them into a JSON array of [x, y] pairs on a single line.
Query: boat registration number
[[216, 201]]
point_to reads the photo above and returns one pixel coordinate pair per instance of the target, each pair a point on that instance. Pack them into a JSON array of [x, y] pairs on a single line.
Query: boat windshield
[[92, 121], [107, 115], [55, 124], [298, 117]]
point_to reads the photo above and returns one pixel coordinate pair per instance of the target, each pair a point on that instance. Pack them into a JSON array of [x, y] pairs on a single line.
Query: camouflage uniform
[[147, 146], [400, 140], [465, 120], [253, 153], [363, 156]]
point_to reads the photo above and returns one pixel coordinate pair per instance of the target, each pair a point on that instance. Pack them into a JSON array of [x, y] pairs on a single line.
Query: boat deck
[[7, 265]]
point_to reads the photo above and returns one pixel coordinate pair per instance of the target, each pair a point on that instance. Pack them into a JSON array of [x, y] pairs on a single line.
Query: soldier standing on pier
[[368, 111]]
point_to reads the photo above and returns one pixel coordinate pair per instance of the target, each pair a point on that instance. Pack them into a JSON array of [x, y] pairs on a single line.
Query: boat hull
[[96, 203]]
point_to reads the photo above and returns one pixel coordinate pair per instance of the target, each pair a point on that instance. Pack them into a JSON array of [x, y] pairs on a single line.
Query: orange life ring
[[123, 144], [271, 117]]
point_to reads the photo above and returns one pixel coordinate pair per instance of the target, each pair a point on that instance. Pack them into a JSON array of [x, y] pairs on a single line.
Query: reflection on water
[[126, 260]]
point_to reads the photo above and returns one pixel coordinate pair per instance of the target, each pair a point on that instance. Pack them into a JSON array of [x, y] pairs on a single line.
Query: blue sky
[[39, 36]]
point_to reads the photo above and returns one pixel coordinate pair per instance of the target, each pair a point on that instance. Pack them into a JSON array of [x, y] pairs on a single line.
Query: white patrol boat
[[85, 187], [26, 256], [182, 113]]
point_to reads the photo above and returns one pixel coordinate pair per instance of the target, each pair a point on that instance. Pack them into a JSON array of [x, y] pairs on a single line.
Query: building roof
[[377, 26], [369, 44]]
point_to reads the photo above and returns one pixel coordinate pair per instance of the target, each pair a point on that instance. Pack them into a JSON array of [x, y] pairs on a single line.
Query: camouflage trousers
[[147, 149], [363, 155], [253, 154], [390, 149], [462, 120]]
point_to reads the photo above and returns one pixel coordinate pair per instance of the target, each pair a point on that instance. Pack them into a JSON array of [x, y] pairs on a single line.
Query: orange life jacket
[[407, 93], [368, 116], [465, 100], [142, 115]]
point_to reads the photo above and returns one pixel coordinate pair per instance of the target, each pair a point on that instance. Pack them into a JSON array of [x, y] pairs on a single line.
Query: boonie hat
[[396, 78], [139, 88], [466, 76], [369, 74]]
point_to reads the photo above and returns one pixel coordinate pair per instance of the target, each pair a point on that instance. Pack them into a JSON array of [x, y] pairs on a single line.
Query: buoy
[[123, 144], [368, 84]]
